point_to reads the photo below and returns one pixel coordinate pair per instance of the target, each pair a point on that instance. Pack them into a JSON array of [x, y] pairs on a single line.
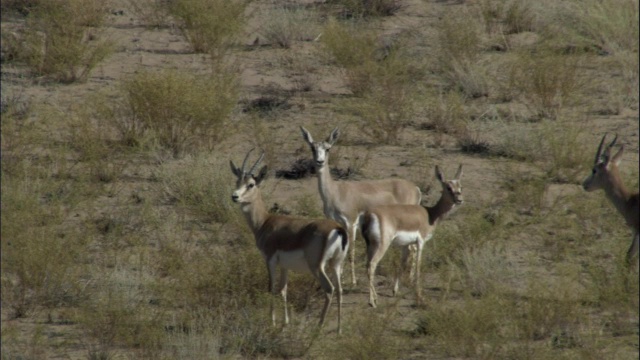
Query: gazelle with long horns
[[606, 175], [290, 243], [404, 226], [343, 201]]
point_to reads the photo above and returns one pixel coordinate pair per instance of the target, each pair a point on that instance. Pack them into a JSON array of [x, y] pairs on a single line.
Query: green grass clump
[[211, 26], [179, 110], [62, 41]]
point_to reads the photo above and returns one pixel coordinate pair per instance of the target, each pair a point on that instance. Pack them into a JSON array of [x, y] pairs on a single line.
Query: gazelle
[[405, 225], [606, 175], [290, 243], [344, 200]]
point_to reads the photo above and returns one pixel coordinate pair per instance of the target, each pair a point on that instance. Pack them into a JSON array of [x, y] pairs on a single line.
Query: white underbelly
[[292, 260], [404, 238]]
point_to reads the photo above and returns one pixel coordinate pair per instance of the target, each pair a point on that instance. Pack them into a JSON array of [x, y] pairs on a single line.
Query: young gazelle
[[606, 175], [405, 225], [290, 243], [344, 200]]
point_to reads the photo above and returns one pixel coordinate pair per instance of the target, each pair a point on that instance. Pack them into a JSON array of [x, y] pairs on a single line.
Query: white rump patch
[[334, 247]]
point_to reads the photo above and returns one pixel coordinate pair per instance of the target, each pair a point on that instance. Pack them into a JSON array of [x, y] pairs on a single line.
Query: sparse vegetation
[[119, 238]]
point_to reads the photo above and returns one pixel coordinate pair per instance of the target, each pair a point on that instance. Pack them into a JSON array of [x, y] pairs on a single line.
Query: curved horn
[[608, 150], [244, 163], [256, 164], [599, 149]]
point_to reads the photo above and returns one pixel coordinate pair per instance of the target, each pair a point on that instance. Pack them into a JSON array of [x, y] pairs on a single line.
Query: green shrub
[[58, 42], [180, 110], [211, 26]]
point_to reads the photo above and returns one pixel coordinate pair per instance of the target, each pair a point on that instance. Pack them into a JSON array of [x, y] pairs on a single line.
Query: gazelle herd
[[388, 212]]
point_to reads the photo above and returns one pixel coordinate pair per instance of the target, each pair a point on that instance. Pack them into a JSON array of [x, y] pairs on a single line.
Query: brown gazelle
[[344, 200], [405, 225], [606, 175], [290, 243]]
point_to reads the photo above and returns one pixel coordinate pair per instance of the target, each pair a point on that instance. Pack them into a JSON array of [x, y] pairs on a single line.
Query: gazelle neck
[[325, 182], [616, 191], [256, 213], [441, 208]]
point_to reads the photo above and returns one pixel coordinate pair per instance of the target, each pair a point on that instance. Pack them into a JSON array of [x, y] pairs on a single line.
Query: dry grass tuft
[[62, 40], [178, 110], [211, 26]]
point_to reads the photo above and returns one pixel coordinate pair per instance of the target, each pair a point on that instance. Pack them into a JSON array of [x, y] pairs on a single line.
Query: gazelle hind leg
[[633, 249], [337, 269], [326, 285], [283, 292], [352, 231], [418, 261], [412, 251]]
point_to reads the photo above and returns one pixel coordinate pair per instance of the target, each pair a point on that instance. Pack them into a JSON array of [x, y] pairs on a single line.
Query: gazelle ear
[[262, 175], [333, 137], [234, 169], [439, 174], [617, 157], [306, 135], [459, 173]]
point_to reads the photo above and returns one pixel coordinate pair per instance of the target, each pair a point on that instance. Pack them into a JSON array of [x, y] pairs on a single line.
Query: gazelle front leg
[[352, 231], [406, 251], [419, 246], [271, 267]]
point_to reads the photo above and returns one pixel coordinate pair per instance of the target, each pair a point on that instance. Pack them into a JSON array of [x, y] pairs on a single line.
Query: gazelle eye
[[593, 171], [251, 185]]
